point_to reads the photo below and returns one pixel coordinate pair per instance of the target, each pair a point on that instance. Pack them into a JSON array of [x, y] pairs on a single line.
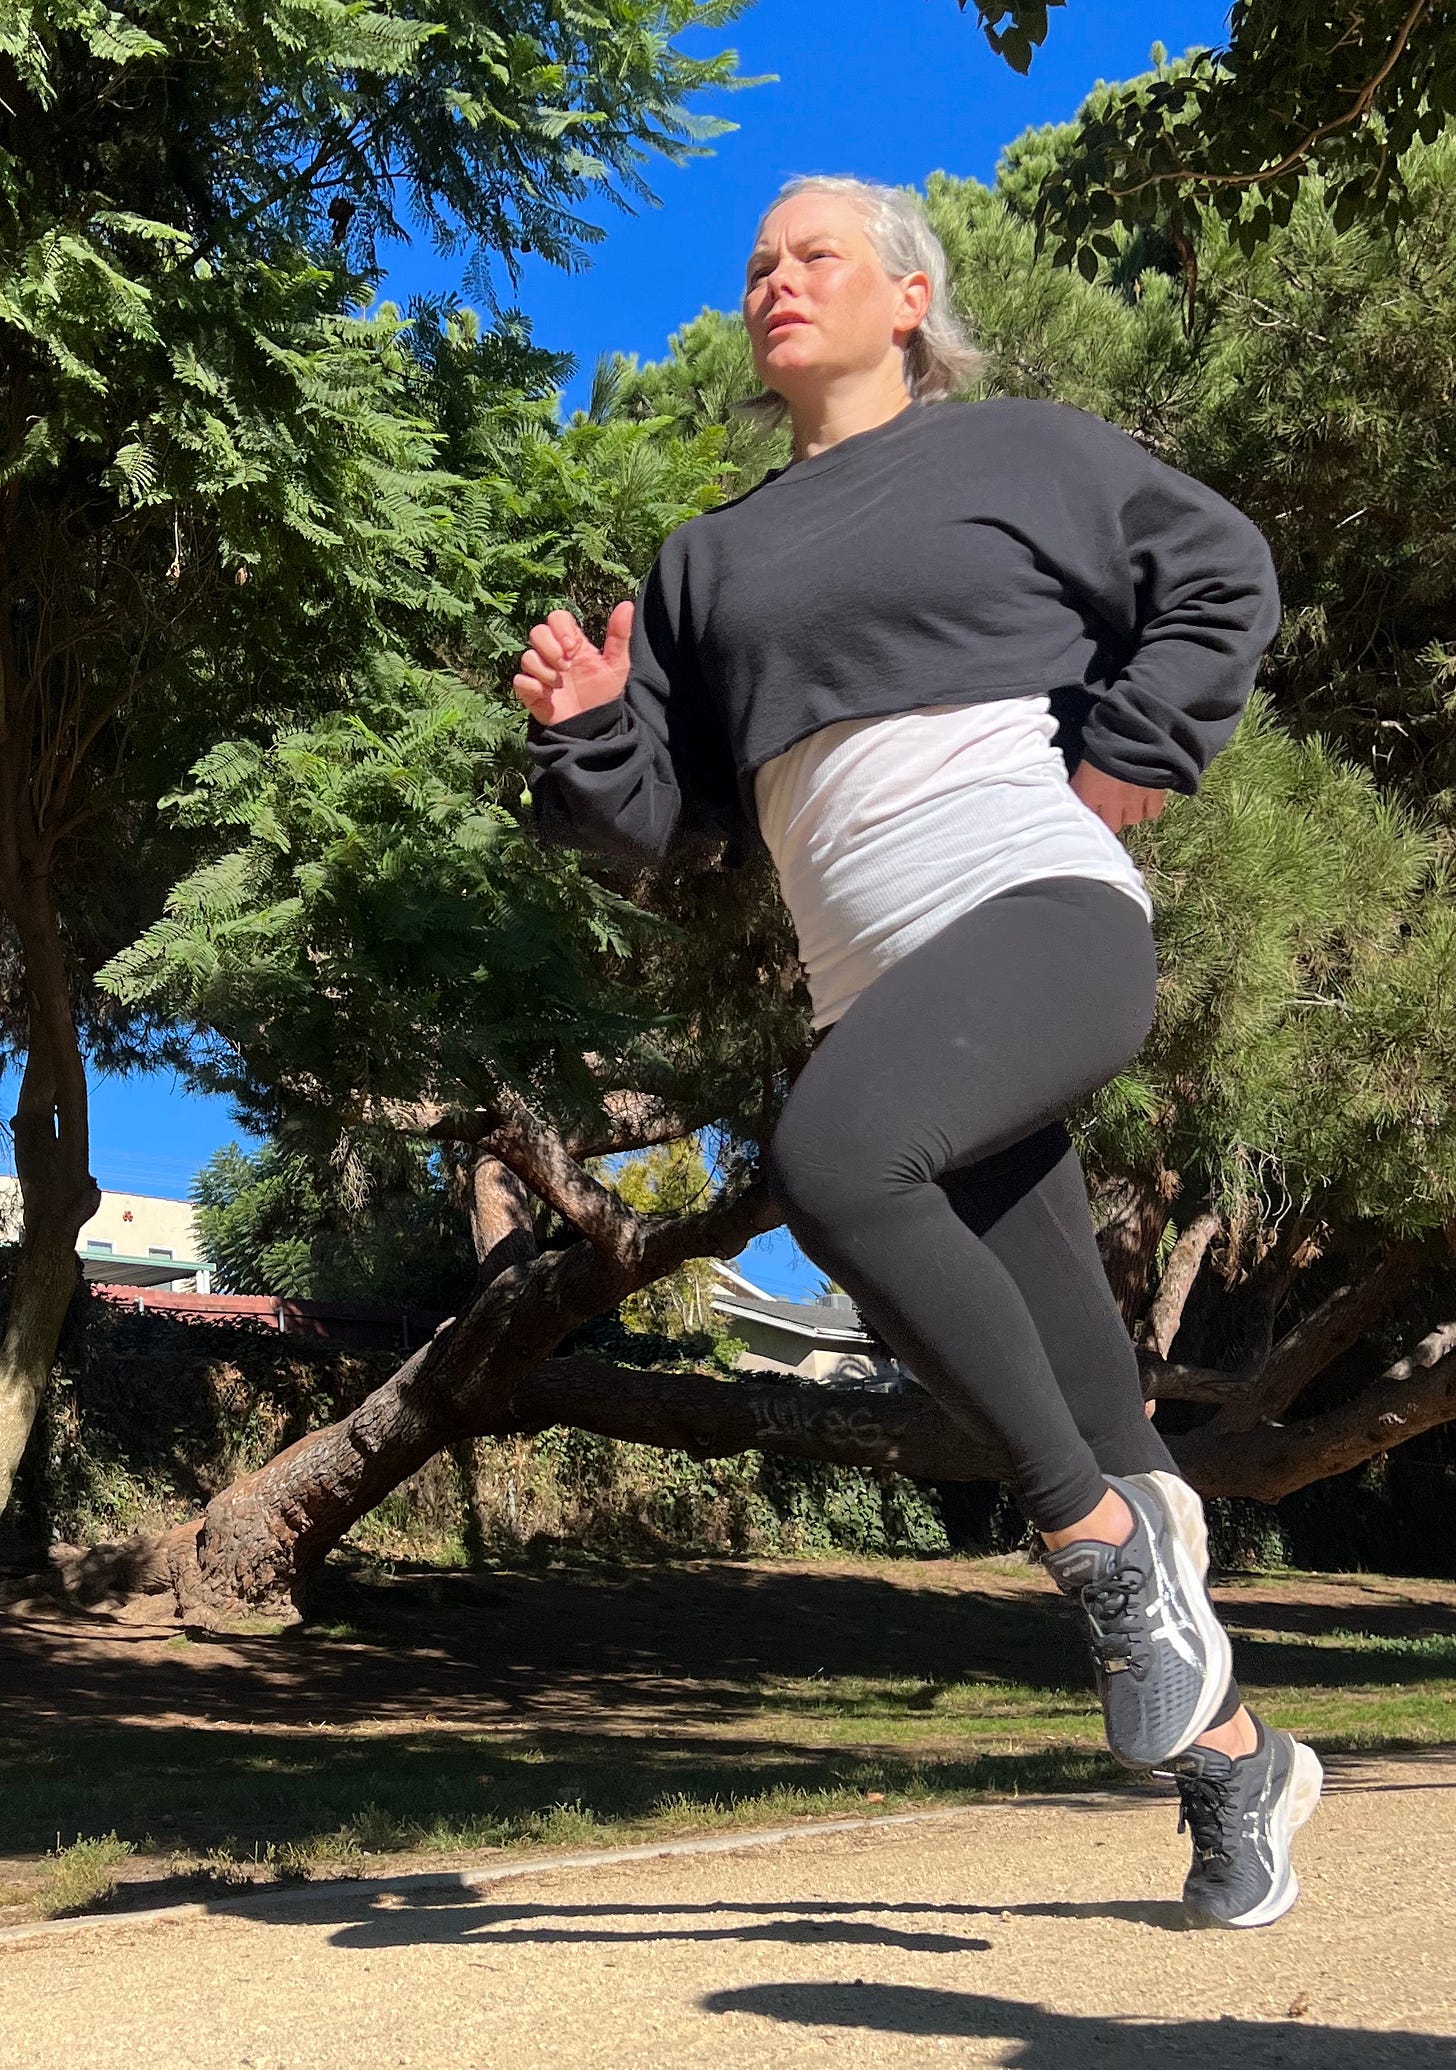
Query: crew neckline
[[845, 448]]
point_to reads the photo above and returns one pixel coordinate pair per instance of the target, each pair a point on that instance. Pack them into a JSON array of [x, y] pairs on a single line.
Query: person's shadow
[[1044, 2040], [431, 1914]]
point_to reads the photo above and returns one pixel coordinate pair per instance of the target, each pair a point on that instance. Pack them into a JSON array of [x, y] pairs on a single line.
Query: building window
[[153, 1252], [94, 1243]]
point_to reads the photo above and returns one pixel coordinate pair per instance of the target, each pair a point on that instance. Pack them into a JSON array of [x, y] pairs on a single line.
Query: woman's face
[[818, 304]]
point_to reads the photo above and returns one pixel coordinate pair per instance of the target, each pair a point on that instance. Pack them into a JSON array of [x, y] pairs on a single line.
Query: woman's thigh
[[988, 1031]]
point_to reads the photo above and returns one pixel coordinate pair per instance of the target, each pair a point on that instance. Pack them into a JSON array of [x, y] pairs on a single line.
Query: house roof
[[802, 1318]]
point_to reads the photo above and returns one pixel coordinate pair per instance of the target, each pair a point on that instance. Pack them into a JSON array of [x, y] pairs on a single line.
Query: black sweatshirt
[[959, 552]]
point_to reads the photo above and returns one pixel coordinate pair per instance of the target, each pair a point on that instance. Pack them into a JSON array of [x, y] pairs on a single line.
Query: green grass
[[330, 1799], [329, 1793], [81, 1877], [702, 1752]]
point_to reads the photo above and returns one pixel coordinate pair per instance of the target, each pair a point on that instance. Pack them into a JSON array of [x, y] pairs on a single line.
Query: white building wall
[[126, 1225]]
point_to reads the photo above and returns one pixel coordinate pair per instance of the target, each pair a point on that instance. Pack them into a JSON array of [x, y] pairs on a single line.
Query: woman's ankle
[[1110, 1523], [1237, 1737]]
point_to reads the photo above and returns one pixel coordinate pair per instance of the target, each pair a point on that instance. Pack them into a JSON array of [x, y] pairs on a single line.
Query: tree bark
[[259, 1542], [1338, 1323], [1132, 1213], [52, 1163], [1179, 1274], [1415, 1394], [714, 1419], [503, 1236], [500, 1215]]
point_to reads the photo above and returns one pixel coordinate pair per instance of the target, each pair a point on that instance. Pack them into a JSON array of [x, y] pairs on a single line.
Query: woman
[[856, 663]]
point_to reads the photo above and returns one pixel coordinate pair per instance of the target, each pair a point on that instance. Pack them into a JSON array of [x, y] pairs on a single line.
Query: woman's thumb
[[617, 638]]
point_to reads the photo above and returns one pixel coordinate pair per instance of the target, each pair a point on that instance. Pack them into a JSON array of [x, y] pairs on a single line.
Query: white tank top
[[882, 830]]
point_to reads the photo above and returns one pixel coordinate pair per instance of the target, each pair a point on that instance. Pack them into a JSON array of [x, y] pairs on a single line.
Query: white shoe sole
[[1295, 1808], [1190, 1555]]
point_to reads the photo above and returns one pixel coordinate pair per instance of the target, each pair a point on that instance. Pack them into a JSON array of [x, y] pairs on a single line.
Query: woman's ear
[[914, 305]]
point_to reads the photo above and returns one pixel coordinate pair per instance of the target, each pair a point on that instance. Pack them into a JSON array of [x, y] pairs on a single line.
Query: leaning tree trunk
[[490, 1372], [258, 1544], [52, 1163]]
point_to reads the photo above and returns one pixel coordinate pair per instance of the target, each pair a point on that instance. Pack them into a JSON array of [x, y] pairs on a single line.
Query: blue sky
[[885, 89]]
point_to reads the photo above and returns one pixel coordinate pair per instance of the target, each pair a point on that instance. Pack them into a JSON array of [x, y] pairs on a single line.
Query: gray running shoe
[[1242, 1815], [1163, 1659]]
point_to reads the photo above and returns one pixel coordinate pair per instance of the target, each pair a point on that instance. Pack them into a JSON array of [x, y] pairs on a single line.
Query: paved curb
[[298, 1897]]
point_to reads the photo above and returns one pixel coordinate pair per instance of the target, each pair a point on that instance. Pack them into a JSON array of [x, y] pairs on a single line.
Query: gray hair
[[940, 360]]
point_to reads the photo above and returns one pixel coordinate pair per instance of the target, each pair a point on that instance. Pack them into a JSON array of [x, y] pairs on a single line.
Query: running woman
[[863, 664]]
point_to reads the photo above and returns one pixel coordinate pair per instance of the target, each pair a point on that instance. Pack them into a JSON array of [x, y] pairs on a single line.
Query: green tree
[[220, 487], [668, 1179], [1275, 1178], [1231, 134], [272, 1223]]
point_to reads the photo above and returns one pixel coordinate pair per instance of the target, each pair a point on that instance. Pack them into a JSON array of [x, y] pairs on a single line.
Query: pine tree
[[221, 495], [1275, 1176]]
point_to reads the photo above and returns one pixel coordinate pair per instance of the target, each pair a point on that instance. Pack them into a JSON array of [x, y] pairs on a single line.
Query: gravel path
[[1043, 1935]]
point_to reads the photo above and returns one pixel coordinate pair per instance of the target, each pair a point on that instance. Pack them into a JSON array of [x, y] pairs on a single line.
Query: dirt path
[[1041, 1935]]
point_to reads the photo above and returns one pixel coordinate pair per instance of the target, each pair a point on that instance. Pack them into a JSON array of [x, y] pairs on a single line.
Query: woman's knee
[[804, 1169], [827, 1164]]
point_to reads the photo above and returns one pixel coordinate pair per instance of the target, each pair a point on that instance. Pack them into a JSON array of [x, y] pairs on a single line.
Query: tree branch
[[1163, 1380], [539, 1156], [714, 1418], [1415, 1394], [1339, 1321], [1131, 1212], [500, 1215], [635, 1121], [720, 1230], [1293, 1249], [1359, 107], [1179, 1274]]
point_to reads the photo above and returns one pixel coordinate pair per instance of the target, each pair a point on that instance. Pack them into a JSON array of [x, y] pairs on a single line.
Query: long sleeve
[[1188, 584], [650, 771]]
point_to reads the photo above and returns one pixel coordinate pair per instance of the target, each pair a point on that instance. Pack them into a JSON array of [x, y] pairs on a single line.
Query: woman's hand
[[562, 673], [1116, 804]]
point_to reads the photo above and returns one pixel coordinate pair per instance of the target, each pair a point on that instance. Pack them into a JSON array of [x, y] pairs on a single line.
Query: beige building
[[133, 1240], [813, 1340]]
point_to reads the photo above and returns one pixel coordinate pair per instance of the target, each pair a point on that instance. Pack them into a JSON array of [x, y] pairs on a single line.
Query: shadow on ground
[[224, 1789], [519, 1645], [698, 1640], [487, 1703], [1043, 2040], [442, 1917]]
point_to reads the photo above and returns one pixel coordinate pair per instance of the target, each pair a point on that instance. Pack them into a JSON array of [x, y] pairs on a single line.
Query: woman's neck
[[821, 422]]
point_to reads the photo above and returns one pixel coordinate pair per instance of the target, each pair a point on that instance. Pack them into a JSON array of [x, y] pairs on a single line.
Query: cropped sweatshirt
[[958, 552]]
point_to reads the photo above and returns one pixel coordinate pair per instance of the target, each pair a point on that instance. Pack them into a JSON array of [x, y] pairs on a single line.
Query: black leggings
[[921, 1161]]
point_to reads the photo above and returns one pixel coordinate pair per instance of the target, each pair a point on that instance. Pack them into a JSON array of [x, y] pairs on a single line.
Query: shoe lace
[[1117, 1630], [1204, 1809]]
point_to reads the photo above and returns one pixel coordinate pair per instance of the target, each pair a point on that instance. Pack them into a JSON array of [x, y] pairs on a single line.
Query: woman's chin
[[791, 362]]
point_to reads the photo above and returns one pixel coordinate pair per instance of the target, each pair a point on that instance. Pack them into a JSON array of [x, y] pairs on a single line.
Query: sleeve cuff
[[596, 720], [1144, 778]]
